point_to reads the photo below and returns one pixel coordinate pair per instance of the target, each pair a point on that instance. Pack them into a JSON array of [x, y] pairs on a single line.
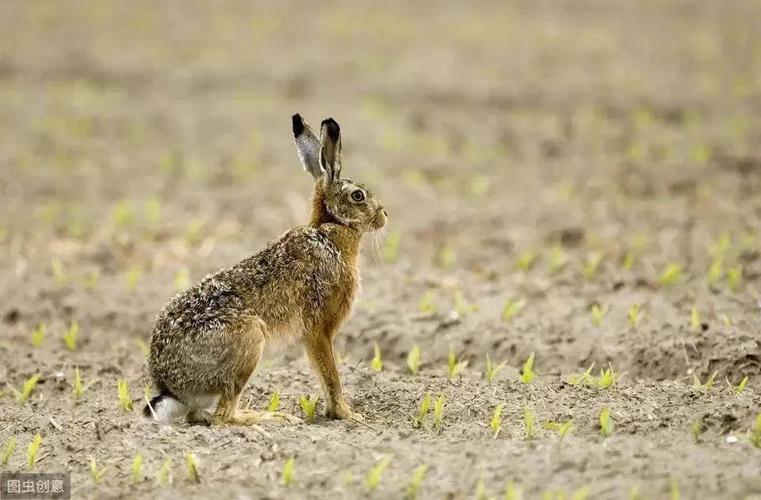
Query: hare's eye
[[358, 196]]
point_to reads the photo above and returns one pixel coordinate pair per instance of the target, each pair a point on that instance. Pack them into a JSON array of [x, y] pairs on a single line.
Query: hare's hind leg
[[319, 347], [248, 343]]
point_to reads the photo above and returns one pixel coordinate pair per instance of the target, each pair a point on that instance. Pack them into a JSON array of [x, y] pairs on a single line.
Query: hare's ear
[[307, 146], [330, 149]]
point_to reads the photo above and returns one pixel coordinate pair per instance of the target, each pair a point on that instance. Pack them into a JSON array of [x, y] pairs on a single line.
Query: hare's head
[[336, 199]]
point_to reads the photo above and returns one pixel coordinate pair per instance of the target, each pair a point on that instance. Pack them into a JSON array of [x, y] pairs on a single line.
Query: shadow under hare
[[208, 340]]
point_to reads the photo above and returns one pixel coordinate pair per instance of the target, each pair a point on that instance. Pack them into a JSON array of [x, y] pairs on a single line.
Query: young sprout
[[425, 405], [527, 374], [558, 259], [707, 386], [10, 447], [715, 271], [455, 367], [38, 334], [286, 477], [480, 493], [598, 313], [583, 378], [512, 492], [377, 362], [527, 260], [413, 359], [739, 388], [427, 304], [391, 248], [606, 423], [132, 278], [30, 384], [413, 487], [373, 478], [181, 279], [274, 402], [447, 258], [137, 468], [592, 264], [674, 493], [164, 476], [697, 430], [634, 312], [90, 280], [492, 370], [608, 378], [496, 420], [143, 346], [512, 307], [755, 432], [95, 473], [461, 305], [734, 278], [695, 319], [308, 405], [125, 398], [194, 231], [70, 336], [122, 215], [152, 211], [438, 414], [528, 422], [79, 388], [32, 450], [192, 467], [670, 275], [563, 429], [59, 275]]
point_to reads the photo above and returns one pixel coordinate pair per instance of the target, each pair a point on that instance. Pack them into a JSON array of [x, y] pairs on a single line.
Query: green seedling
[[391, 248], [79, 388], [697, 430], [413, 359], [493, 370], [33, 450], [132, 278], [125, 398], [143, 346], [438, 414], [734, 278], [527, 373], [496, 420], [308, 405], [739, 388], [755, 432], [528, 423], [59, 274], [425, 405], [627, 261], [70, 336], [38, 334], [191, 464], [27, 389], [583, 378], [527, 260], [715, 271], [152, 212], [558, 259], [674, 492], [480, 493], [726, 319], [606, 423], [90, 279], [707, 386], [95, 473], [455, 367], [607, 378], [181, 279], [562, 428], [447, 258], [194, 231], [512, 307], [479, 185], [122, 215], [286, 477], [274, 404], [377, 362], [427, 304], [633, 315], [10, 447], [461, 305], [695, 319], [373, 478], [137, 468], [592, 265], [670, 275], [164, 475], [413, 487], [598, 313], [512, 492]]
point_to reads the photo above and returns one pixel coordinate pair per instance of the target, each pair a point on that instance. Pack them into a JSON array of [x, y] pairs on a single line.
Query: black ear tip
[[332, 127], [298, 124]]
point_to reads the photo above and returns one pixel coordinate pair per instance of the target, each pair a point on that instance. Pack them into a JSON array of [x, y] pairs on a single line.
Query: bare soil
[[147, 144]]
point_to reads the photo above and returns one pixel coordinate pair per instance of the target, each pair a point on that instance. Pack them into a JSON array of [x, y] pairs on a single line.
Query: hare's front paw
[[343, 411]]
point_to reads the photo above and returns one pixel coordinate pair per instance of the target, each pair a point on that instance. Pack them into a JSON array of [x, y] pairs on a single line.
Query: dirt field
[[543, 164]]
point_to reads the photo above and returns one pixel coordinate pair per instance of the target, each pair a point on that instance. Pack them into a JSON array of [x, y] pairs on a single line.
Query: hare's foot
[[199, 417], [342, 411]]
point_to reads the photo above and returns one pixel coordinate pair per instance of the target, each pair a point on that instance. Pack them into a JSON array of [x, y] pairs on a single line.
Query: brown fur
[[208, 340]]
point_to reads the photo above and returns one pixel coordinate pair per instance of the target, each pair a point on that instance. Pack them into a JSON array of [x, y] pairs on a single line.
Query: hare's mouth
[[380, 218]]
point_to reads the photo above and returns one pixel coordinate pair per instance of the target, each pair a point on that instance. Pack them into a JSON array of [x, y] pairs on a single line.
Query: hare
[[208, 340]]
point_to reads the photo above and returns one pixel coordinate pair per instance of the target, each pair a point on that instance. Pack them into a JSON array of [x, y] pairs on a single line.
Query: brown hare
[[208, 340]]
